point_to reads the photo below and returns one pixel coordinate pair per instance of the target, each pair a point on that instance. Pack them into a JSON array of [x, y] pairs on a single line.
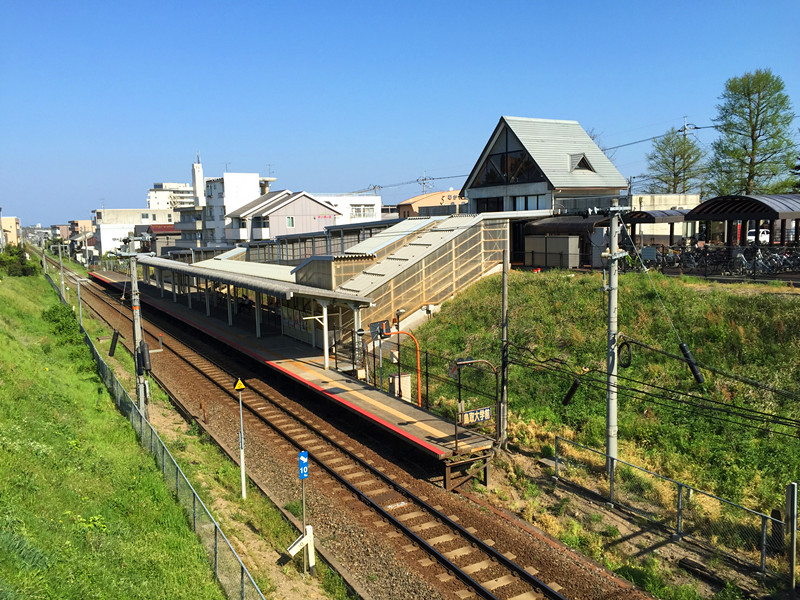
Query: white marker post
[[239, 387], [303, 472]]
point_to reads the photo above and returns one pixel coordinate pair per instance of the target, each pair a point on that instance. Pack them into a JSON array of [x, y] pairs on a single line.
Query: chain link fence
[[233, 576], [718, 524]]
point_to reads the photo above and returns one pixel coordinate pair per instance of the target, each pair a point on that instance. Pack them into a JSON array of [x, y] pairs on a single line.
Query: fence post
[[194, 512], [556, 457], [216, 551], [241, 571], [427, 402], [611, 478], [763, 543], [679, 529], [355, 367]]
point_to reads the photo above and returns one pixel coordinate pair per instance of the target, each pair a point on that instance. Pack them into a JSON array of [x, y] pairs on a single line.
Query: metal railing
[[721, 525], [233, 576]]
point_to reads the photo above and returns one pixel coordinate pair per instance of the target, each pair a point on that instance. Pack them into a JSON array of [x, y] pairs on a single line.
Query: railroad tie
[[493, 584], [411, 515], [475, 567], [447, 537], [528, 596], [424, 526]]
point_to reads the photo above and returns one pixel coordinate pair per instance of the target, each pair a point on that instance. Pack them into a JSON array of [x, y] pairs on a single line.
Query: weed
[[611, 532], [560, 507], [531, 490], [295, 507]]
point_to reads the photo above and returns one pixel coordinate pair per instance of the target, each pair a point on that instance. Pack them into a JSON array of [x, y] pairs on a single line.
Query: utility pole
[[613, 255], [61, 269], [502, 408], [141, 353], [78, 280]]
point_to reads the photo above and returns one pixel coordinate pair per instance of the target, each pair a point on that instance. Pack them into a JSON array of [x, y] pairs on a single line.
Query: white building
[[202, 225], [286, 213], [169, 196], [113, 224]]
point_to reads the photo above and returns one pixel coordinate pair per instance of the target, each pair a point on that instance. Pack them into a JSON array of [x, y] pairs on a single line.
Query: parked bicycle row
[[754, 261]]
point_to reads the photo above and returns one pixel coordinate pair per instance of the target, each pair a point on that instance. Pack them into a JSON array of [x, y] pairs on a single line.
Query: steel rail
[[537, 585]]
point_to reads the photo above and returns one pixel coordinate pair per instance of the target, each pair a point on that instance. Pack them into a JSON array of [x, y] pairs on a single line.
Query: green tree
[[795, 185], [755, 149], [675, 164]]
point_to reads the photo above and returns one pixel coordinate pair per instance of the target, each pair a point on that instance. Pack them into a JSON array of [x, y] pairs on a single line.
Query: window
[[358, 211], [489, 204], [145, 216], [537, 202], [169, 217], [98, 216], [153, 217], [290, 222]]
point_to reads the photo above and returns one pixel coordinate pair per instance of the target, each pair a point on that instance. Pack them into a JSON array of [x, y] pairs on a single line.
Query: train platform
[[425, 431]]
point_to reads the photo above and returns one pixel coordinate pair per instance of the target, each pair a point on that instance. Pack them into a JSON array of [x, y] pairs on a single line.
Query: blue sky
[[100, 100]]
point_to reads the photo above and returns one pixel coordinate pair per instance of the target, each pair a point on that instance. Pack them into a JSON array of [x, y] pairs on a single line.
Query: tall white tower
[[198, 183]]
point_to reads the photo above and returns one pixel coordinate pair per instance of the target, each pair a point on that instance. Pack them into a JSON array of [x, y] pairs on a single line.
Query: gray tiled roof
[[555, 146]]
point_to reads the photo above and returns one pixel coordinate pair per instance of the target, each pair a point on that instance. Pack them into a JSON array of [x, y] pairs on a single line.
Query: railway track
[[448, 546], [483, 570]]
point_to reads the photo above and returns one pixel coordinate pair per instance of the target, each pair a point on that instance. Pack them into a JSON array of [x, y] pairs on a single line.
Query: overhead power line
[[423, 181], [656, 137]]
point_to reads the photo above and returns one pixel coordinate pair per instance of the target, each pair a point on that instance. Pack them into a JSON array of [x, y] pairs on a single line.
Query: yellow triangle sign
[[239, 385]]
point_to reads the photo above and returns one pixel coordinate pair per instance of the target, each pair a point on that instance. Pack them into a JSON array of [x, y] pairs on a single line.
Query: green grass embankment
[[747, 330], [84, 513]]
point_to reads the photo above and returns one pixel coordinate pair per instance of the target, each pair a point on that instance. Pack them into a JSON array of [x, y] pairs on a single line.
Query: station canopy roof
[[273, 287], [562, 225], [744, 208], [635, 217]]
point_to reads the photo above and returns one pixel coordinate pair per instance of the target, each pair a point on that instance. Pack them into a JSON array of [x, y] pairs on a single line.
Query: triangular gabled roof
[[246, 209], [272, 201], [562, 150]]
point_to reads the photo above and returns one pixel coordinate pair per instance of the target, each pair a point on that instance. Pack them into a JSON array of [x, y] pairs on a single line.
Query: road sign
[[476, 416], [303, 464], [239, 385]]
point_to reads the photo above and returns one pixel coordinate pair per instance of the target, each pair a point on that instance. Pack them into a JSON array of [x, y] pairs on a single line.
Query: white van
[[763, 236]]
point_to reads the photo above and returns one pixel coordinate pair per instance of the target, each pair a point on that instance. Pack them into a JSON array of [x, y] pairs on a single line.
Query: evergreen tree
[[674, 165], [755, 149]]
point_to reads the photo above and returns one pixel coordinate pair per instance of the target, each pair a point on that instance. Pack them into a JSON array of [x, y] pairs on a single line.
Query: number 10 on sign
[[303, 464]]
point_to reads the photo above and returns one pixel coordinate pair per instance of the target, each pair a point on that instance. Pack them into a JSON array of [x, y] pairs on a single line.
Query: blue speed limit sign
[[303, 464]]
